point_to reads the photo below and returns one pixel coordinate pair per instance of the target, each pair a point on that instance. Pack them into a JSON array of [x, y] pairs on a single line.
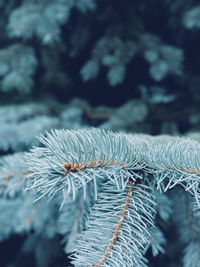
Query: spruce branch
[[70, 159], [109, 183], [117, 228], [173, 161]]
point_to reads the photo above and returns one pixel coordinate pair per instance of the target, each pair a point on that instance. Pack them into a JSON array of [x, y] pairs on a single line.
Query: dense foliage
[[65, 186], [54, 44], [91, 186]]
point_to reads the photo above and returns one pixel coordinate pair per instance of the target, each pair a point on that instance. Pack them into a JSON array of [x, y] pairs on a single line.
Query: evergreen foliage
[[106, 193], [99, 186], [192, 18], [17, 66], [21, 123], [38, 34]]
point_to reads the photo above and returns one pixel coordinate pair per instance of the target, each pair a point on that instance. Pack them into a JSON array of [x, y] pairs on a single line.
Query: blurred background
[[142, 55], [130, 66]]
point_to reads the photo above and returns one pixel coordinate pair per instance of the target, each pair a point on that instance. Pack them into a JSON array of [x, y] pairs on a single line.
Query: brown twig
[[93, 164]]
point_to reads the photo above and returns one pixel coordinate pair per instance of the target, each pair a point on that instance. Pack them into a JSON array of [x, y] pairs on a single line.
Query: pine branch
[[127, 170], [117, 228], [70, 159], [173, 161]]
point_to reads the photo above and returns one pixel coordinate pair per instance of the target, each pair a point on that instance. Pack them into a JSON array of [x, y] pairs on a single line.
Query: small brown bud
[[67, 165]]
